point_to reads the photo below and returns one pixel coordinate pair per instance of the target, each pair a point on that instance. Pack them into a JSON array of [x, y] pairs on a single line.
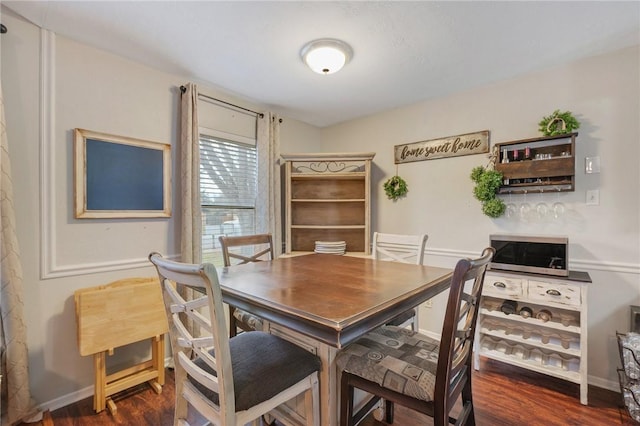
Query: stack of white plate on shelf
[[331, 247]]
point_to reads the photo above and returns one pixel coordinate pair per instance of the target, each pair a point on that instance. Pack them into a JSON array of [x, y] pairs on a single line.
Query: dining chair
[[406, 249], [230, 381], [408, 368], [237, 250]]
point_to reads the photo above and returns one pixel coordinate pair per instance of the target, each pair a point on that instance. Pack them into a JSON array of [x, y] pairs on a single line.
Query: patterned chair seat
[[251, 320], [395, 358], [408, 368]]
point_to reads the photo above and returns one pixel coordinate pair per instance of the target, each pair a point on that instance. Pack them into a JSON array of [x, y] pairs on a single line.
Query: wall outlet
[[593, 197]]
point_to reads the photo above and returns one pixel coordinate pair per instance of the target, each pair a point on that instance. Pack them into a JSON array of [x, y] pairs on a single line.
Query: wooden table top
[[333, 299]]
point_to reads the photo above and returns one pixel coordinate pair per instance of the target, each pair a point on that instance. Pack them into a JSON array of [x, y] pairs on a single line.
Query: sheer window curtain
[[268, 210], [17, 403]]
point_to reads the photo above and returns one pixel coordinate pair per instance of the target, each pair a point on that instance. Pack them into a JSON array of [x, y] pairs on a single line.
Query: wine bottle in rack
[[505, 160], [505, 156]]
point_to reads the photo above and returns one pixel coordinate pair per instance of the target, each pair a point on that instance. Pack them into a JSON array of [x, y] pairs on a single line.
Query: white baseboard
[[604, 383], [79, 395], [431, 334], [67, 399]]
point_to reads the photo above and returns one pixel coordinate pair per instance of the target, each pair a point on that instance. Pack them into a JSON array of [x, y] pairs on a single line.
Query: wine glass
[[558, 207], [558, 210], [542, 210], [525, 209], [511, 210]]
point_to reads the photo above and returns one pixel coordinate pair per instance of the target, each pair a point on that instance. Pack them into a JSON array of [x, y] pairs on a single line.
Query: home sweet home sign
[[451, 146]]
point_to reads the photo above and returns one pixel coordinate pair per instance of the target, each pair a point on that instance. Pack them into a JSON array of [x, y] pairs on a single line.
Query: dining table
[[323, 302]]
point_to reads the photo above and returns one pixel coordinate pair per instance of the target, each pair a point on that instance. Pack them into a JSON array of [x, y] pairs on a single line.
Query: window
[[228, 188]]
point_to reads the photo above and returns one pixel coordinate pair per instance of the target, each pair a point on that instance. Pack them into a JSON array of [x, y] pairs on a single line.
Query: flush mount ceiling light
[[327, 55]]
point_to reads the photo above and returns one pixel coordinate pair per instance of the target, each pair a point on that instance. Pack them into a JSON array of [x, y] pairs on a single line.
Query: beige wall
[[604, 94], [95, 90], [102, 92]]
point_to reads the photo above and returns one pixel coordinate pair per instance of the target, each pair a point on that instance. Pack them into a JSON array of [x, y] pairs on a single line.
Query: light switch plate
[[592, 165], [593, 197]]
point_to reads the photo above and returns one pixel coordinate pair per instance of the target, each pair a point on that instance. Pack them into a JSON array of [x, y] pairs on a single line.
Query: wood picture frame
[[120, 177]]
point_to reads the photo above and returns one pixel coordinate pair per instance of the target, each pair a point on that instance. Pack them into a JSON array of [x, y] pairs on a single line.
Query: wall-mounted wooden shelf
[[545, 164]]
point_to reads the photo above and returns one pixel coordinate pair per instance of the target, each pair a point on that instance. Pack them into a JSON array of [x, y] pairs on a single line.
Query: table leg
[[328, 377], [100, 381], [328, 385]]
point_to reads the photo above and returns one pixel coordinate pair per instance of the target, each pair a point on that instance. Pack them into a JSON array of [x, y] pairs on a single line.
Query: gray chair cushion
[[396, 358], [263, 366]]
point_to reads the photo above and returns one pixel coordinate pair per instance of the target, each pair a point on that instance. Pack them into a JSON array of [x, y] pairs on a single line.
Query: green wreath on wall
[[395, 187], [558, 123]]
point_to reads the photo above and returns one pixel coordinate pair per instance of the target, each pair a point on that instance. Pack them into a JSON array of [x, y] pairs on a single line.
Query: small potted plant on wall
[[488, 182]]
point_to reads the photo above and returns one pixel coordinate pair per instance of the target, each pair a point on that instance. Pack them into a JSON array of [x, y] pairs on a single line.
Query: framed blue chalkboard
[[120, 177]]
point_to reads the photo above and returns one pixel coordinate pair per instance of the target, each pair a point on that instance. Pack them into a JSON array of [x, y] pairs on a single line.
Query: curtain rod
[[261, 115]]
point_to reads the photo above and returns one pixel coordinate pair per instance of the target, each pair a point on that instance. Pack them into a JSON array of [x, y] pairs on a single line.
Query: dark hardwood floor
[[503, 396]]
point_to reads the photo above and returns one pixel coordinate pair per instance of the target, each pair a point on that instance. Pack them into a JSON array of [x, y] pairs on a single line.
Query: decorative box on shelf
[[544, 164]]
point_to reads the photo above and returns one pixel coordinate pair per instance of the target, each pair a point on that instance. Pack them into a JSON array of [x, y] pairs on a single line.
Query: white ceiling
[[404, 52]]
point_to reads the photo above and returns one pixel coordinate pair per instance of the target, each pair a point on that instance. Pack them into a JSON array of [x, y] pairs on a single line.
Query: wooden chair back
[[405, 249], [204, 376], [458, 331], [237, 250], [181, 313], [399, 248], [260, 247], [453, 369]]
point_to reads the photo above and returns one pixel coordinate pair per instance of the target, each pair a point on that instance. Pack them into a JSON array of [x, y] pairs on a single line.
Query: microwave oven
[[534, 254]]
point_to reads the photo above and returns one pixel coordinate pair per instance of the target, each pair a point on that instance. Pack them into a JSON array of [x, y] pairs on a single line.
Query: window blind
[[228, 173], [228, 190]]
